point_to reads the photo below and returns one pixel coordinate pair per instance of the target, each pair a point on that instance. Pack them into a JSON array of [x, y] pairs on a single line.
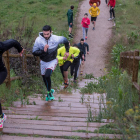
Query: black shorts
[[93, 18], [65, 67]]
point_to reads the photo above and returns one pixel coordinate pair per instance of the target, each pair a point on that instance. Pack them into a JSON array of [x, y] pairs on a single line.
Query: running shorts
[[93, 18], [48, 65]]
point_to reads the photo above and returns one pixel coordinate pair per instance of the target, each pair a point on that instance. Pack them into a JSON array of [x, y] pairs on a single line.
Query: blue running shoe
[[93, 28]]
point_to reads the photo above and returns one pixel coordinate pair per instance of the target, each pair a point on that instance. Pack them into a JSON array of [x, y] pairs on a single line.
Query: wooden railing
[[6, 58], [130, 61]]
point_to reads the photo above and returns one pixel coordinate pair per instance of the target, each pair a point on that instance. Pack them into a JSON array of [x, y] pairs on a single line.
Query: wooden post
[[121, 60], [135, 67], [24, 62], [7, 65]]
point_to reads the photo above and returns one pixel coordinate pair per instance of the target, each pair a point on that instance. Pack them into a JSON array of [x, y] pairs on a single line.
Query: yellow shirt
[[94, 12], [61, 52]]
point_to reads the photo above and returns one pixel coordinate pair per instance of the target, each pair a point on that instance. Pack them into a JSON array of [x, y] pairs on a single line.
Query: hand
[[21, 52], [70, 23], [112, 7], [46, 47], [66, 54], [64, 58], [82, 62], [87, 52], [83, 57], [72, 56]]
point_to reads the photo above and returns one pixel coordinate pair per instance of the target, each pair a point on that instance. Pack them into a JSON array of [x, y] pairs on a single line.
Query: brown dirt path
[[97, 39]]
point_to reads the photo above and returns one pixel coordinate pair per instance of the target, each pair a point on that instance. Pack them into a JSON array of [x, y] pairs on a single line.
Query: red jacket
[[112, 3], [85, 22], [98, 2]]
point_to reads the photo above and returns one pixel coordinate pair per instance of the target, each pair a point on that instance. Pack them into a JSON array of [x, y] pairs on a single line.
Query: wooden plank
[[47, 118], [55, 123], [136, 85], [42, 103], [131, 57], [46, 114], [18, 55], [51, 110], [6, 137], [48, 127], [68, 100], [56, 134], [135, 67]]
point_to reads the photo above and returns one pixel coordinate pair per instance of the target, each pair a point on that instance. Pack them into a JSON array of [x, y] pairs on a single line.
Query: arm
[[90, 3], [36, 49], [87, 47], [114, 3], [76, 51], [82, 22], [109, 3], [8, 44], [98, 12], [88, 22], [63, 40], [99, 2], [59, 57], [90, 11]]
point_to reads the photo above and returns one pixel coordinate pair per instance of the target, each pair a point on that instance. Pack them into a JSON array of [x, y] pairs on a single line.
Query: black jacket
[[83, 47], [6, 45]]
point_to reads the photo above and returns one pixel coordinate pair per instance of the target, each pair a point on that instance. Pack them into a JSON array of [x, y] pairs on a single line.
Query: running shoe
[[109, 19], [113, 18], [81, 73], [70, 36], [47, 97], [2, 120], [66, 84], [86, 38], [51, 96], [52, 91], [93, 28]]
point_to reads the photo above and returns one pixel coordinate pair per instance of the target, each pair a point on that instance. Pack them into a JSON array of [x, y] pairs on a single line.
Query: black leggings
[[65, 67], [3, 75], [112, 12], [74, 66], [47, 79]]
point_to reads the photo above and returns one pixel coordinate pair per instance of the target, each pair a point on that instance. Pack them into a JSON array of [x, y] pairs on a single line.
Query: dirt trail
[[97, 39]]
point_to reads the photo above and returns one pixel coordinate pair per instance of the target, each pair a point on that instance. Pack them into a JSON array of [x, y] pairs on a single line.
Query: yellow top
[[61, 52], [94, 12]]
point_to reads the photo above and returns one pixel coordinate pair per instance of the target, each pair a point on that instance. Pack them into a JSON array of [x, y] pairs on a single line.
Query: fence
[[130, 62], [6, 58]]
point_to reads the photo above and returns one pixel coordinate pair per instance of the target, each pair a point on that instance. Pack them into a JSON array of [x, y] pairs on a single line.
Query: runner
[[85, 22], [98, 2], [46, 47], [4, 46], [82, 46], [70, 20], [112, 4], [94, 12], [66, 61], [74, 68]]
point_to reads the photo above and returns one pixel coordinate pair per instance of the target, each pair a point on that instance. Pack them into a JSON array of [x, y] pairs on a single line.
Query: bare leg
[[70, 30]]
